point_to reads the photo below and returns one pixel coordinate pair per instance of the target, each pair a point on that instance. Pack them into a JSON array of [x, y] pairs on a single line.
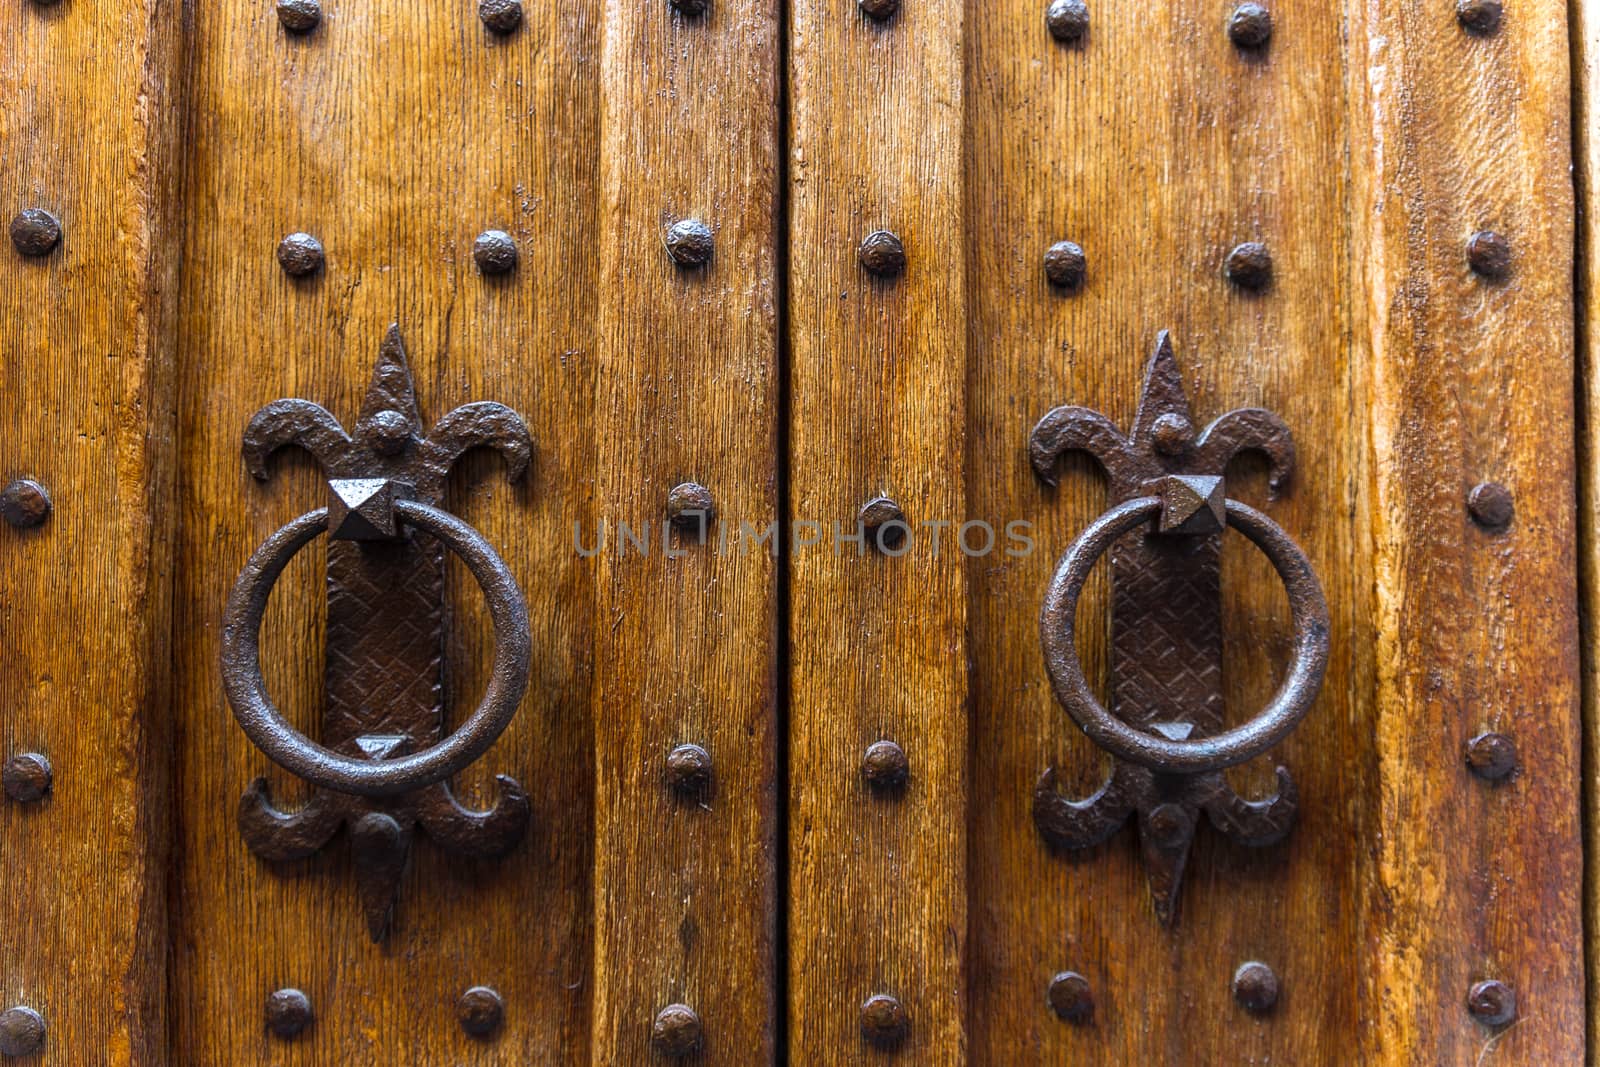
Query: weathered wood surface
[[1406, 379], [1363, 145], [686, 633], [1157, 146], [89, 121], [1585, 34], [395, 134], [1470, 381], [877, 644]]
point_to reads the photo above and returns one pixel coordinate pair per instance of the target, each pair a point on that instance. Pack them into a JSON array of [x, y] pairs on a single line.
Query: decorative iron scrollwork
[[383, 765], [1165, 731]]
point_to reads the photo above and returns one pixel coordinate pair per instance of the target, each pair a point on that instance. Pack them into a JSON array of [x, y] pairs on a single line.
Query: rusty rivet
[[1172, 434], [1250, 26], [26, 777], [689, 7], [299, 16], [288, 1012], [300, 254], [35, 231], [689, 771], [676, 1030], [25, 503], [878, 10], [1070, 997], [21, 1031], [500, 16], [885, 767], [1489, 255], [1065, 265], [884, 522], [1249, 266], [1168, 825], [1255, 987], [1492, 1003], [388, 432], [1491, 506], [690, 507], [480, 1011], [884, 1022], [1491, 756], [882, 254], [1481, 17], [1068, 19], [495, 252], [690, 243]]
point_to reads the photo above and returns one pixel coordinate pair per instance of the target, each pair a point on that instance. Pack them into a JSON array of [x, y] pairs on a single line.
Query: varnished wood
[[1406, 380], [686, 633], [1585, 33], [1363, 145], [1470, 381], [395, 134], [1157, 146], [86, 407], [877, 899]]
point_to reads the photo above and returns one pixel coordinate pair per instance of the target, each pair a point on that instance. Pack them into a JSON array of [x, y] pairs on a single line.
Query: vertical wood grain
[[395, 134], [877, 374], [1157, 145], [1585, 35], [685, 633], [1475, 630], [86, 408]]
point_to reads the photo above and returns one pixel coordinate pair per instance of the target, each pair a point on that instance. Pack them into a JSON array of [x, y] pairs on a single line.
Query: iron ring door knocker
[[296, 753], [1058, 630], [383, 764], [1165, 728]]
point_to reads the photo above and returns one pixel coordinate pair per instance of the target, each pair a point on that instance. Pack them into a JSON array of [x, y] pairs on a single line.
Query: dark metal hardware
[[299, 16], [1492, 1003], [1166, 732], [35, 232], [480, 1011], [27, 777], [1071, 997], [1255, 987], [1068, 20], [885, 767], [884, 1022], [288, 1013], [882, 253], [24, 503], [385, 764], [1491, 506], [22, 1031], [500, 16], [690, 243], [300, 255], [677, 1031]]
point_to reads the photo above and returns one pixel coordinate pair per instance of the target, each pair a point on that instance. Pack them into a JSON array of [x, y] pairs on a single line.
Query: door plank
[[1585, 32], [877, 376], [1475, 629], [86, 408], [1157, 146], [685, 633], [395, 134]]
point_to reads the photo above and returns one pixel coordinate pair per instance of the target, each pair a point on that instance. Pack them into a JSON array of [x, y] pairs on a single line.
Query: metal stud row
[[26, 777], [480, 1011]]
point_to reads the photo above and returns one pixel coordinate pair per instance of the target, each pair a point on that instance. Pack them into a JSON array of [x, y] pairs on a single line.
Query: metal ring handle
[[292, 750], [1058, 628]]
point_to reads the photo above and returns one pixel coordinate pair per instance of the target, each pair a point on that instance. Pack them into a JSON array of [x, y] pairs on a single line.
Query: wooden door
[[805, 276]]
